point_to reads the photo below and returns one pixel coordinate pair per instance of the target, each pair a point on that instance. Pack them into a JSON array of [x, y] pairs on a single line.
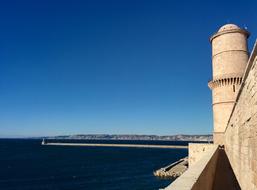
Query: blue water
[[26, 165]]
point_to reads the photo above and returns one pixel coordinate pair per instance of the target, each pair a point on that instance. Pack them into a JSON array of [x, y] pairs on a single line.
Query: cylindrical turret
[[229, 58]]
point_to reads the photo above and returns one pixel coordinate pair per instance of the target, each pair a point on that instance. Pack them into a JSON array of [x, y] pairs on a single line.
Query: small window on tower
[[234, 88]]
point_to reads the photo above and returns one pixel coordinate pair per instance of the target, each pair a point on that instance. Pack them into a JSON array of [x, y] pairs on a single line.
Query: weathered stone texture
[[211, 171], [241, 133], [196, 151], [229, 58], [234, 95], [199, 176]]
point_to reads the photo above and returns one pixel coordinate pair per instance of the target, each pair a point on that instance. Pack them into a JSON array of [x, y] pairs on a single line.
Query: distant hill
[[137, 137]]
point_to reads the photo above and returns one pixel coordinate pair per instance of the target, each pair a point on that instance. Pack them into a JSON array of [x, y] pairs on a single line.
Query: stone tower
[[229, 58]]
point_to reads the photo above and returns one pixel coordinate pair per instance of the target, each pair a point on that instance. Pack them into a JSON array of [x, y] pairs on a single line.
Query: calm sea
[[26, 165]]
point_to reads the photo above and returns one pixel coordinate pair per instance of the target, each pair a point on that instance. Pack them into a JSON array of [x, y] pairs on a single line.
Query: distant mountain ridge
[[180, 137]]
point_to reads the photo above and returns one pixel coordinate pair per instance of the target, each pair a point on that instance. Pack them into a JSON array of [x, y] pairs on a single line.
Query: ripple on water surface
[[26, 165]]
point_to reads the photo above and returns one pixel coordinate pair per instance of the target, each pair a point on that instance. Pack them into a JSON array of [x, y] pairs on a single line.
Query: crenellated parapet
[[229, 58], [224, 82]]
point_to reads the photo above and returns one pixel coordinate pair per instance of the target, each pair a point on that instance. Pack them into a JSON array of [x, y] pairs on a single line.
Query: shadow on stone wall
[[224, 175]]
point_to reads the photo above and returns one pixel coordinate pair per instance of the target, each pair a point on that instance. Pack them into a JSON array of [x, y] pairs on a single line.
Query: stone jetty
[[173, 170]]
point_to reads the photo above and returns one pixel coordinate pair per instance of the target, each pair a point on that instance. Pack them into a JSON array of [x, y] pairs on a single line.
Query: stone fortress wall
[[240, 138], [229, 58], [231, 162], [234, 95]]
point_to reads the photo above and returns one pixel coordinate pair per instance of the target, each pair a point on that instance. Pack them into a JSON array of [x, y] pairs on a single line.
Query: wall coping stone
[[188, 179]]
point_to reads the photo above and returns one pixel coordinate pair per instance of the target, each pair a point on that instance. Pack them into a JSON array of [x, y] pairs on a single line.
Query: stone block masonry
[[196, 152], [241, 132], [229, 58], [234, 98]]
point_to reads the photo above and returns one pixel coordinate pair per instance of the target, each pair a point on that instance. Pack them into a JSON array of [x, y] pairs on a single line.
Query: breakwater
[[86, 168], [173, 170], [117, 145]]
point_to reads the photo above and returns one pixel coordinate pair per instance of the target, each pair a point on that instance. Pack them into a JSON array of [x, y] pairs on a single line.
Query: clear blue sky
[[117, 67]]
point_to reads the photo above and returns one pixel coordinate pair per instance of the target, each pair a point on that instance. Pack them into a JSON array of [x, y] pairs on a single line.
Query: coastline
[[118, 145]]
